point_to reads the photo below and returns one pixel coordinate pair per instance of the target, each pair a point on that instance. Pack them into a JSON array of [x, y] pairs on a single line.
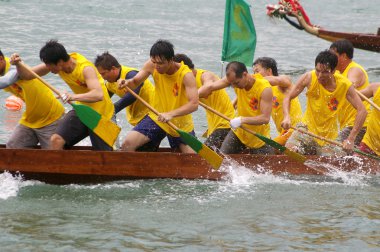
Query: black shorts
[[72, 130]]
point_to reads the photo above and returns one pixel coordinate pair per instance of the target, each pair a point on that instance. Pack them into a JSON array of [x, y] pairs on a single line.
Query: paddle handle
[[30, 70], [224, 117], [318, 137], [149, 106], [368, 100]]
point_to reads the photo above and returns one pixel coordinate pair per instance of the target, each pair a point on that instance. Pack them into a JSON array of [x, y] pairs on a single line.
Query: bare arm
[[190, 106], [361, 115], [281, 81], [208, 88], [356, 76], [95, 92], [40, 69], [139, 78], [303, 82], [370, 90], [265, 108]]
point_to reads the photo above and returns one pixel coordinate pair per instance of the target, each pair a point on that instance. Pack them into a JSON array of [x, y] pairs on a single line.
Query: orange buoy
[[13, 103]]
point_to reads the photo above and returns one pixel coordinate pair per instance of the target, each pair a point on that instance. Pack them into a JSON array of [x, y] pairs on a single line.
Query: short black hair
[[1, 54], [343, 46], [237, 67], [106, 61], [179, 57], [162, 49], [267, 63], [327, 58], [52, 52]]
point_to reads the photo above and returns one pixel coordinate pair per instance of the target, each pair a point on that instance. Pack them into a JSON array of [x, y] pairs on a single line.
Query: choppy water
[[248, 211]]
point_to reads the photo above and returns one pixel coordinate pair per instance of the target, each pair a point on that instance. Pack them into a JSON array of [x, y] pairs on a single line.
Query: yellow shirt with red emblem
[[77, 83], [218, 100], [41, 106], [372, 136], [248, 105], [170, 94], [348, 113], [323, 106], [137, 110]]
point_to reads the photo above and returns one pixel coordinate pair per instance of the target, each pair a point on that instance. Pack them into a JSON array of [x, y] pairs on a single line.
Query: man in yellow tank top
[[344, 50], [254, 106], [175, 99], [281, 85], [88, 89], [326, 91], [42, 111], [371, 140], [219, 100]]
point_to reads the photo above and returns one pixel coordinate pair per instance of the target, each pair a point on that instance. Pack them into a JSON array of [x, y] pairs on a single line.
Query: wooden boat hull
[[86, 166]]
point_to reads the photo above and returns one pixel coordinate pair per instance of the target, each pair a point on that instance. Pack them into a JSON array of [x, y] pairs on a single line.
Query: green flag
[[239, 38]]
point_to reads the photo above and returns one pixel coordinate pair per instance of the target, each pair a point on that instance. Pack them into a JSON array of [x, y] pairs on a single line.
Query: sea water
[[247, 211]]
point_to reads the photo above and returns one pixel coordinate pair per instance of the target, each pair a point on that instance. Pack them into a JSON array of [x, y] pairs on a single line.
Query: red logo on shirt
[[333, 104], [254, 104], [275, 102], [175, 89]]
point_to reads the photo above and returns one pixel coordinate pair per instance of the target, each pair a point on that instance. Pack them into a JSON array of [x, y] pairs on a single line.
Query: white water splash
[[11, 184]]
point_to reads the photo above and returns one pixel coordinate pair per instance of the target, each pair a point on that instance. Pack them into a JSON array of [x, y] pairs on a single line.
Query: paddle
[[335, 143], [368, 100], [107, 130], [294, 155], [211, 156]]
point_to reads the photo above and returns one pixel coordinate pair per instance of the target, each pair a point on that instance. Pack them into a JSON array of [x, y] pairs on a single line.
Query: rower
[[42, 110], [218, 127], [326, 91], [371, 140], [344, 50], [254, 105], [281, 85]]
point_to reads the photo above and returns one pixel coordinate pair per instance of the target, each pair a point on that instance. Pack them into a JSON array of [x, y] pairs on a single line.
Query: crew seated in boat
[[326, 91], [175, 98], [254, 105], [371, 140], [111, 71], [87, 86], [281, 85], [218, 127], [344, 50], [42, 113]]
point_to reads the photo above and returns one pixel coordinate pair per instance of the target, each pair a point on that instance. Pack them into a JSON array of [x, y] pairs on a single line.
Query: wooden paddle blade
[[211, 156], [294, 155], [107, 130]]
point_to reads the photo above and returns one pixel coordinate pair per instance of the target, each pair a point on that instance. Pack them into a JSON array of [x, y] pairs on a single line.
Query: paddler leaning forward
[[175, 98], [326, 91]]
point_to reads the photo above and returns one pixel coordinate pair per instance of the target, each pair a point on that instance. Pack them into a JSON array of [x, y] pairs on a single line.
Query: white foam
[[11, 184]]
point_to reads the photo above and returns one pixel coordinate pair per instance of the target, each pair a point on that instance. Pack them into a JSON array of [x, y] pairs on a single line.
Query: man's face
[[55, 68], [108, 75], [2, 65], [162, 65], [259, 69], [324, 73], [235, 81]]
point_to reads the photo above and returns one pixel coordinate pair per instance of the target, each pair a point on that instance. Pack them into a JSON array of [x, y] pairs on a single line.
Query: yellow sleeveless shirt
[[248, 105], [137, 110], [348, 113], [41, 106], [170, 94], [76, 82], [322, 107], [372, 136], [218, 100]]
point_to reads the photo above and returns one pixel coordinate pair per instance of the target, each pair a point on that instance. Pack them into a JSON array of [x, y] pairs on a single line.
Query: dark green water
[[248, 211]]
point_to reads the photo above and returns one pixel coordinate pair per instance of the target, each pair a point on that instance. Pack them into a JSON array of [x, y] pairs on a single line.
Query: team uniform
[[135, 109], [348, 113], [170, 94], [72, 130], [218, 127], [321, 115], [248, 105], [41, 115]]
